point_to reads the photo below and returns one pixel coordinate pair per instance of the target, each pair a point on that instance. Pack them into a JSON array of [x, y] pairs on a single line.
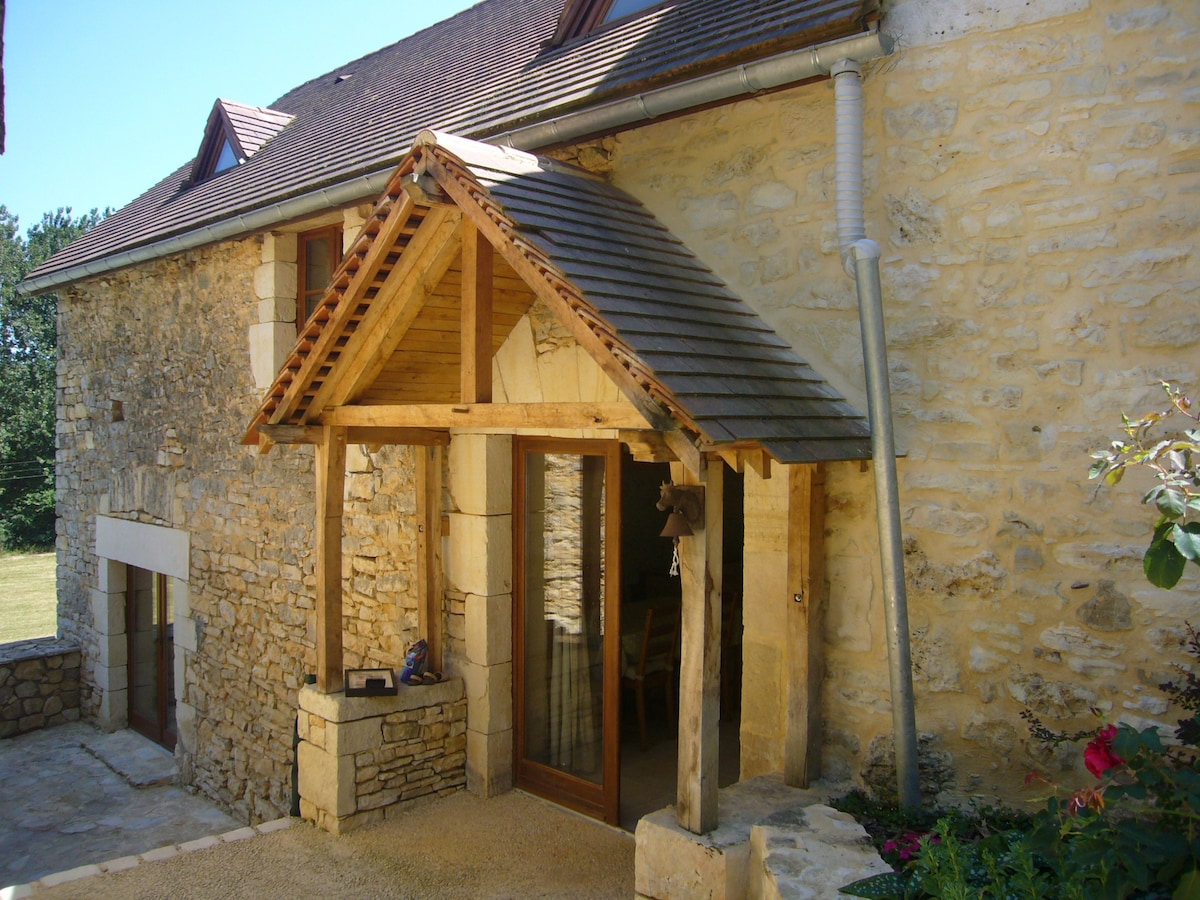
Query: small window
[[318, 253], [622, 8], [227, 160], [580, 17]]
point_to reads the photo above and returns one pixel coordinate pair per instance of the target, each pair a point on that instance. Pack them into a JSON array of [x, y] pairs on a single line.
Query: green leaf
[[1097, 468], [1187, 540], [1163, 564], [1171, 503], [1114, 477], [888, 885], [1188, 887]]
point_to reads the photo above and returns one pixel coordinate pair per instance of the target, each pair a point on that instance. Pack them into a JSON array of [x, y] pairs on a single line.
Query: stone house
[[408, 354]]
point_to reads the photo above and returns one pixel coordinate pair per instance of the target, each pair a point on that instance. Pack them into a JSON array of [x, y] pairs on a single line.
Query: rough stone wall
[[1032, 183], [39, 685], [155, 392]]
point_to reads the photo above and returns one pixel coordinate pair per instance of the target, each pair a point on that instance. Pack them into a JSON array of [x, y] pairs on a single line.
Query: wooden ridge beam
[[488, 415]]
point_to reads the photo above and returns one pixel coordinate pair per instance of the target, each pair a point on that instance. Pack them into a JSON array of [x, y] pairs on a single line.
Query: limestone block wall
[[364, 757], [1031, 177], [155, 391], [39, 685]]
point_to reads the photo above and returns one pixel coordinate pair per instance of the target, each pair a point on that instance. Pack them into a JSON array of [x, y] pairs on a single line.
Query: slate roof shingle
[[691, 345], [477, 74]]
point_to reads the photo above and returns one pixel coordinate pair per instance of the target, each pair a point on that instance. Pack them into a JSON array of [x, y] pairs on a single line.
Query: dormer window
[[234, 133], [580, 17], [227, 160], [622, 8]]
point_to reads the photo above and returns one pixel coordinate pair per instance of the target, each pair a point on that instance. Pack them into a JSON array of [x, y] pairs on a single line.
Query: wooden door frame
[[599, 801], [155, 730]]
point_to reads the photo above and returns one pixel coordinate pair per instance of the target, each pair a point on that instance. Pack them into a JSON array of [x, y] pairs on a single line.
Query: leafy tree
[[28, 348]]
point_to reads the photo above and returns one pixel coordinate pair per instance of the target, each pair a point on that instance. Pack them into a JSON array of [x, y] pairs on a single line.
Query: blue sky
[[103, 99]]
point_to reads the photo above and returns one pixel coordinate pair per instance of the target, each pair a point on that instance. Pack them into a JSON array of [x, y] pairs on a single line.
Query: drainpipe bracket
[[863, 248], [845, 65]]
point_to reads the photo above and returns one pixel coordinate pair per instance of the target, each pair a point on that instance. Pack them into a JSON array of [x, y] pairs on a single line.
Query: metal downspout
[[860, 257]]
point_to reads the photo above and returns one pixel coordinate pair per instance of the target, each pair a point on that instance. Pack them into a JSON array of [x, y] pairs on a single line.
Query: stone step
[[808, 853], [772, 841]]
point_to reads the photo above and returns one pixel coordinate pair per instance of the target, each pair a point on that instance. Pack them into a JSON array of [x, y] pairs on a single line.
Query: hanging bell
[[677, 526]]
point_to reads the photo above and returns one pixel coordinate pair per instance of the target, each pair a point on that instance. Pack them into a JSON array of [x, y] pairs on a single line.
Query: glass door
[[566, 632], [150, 627]]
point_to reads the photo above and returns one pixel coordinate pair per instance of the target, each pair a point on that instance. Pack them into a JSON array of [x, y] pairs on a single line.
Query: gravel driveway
[[459, 847]]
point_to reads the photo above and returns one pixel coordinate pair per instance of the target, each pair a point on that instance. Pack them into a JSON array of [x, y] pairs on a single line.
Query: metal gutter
[[744, 80]]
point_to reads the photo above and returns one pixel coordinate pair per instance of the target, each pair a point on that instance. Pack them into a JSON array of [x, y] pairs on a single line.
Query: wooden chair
[[655, 664]]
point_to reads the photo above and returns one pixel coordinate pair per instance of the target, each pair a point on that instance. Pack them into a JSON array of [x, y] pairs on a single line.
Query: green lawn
[[27, 598]]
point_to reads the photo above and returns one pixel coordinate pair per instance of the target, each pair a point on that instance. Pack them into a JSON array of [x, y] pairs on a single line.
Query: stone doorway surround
[[121, 543]]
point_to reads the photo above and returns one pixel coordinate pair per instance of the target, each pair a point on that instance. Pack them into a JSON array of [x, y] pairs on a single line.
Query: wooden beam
[[806, 609], [411, 437], [429, 550], [378, 436], [292, 434], [330, 466], [429, 253], [476, 324], [646, 446], [684, 449], [700, 560], [489, 415]]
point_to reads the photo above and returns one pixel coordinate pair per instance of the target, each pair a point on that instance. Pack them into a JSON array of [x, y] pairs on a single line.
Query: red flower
[[1098, 756]]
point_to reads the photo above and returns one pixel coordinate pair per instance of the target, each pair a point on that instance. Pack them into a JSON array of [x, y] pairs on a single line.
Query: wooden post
[[331, 477], [429, 547], [476, 323], [806, 609], [700, 655]]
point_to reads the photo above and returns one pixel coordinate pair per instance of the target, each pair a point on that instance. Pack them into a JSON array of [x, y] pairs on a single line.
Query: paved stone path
[[72, 795]]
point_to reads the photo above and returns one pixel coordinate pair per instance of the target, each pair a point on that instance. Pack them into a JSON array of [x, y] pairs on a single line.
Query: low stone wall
[[39, 685], [360, 756]]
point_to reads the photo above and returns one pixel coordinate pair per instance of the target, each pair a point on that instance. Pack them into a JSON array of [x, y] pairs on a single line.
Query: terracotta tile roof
[[479, 74], [683, 343]]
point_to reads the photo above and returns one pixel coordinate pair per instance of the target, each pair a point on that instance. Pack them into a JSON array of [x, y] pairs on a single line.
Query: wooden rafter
[[429, 253]]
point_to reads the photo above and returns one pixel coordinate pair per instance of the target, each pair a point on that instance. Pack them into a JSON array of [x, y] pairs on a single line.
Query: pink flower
[[1098, 756]]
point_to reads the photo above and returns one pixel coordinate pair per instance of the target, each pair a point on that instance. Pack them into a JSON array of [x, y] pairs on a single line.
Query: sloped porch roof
[[388, 337]]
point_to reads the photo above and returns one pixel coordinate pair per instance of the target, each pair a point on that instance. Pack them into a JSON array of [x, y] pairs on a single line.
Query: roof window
[[234, 133], [580, 17]]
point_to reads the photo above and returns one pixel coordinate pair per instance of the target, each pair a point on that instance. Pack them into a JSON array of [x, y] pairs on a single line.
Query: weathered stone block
[[489, 697], [489, 629], [480, 469], [480, 558], [489, 763], [326, 780]]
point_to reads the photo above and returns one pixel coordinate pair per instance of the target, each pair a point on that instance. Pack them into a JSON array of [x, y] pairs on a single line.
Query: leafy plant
[[1175, 461], [1135, 833]]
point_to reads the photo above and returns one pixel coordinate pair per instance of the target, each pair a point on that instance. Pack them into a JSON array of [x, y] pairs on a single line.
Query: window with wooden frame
[[318, 253], [580, 17]]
